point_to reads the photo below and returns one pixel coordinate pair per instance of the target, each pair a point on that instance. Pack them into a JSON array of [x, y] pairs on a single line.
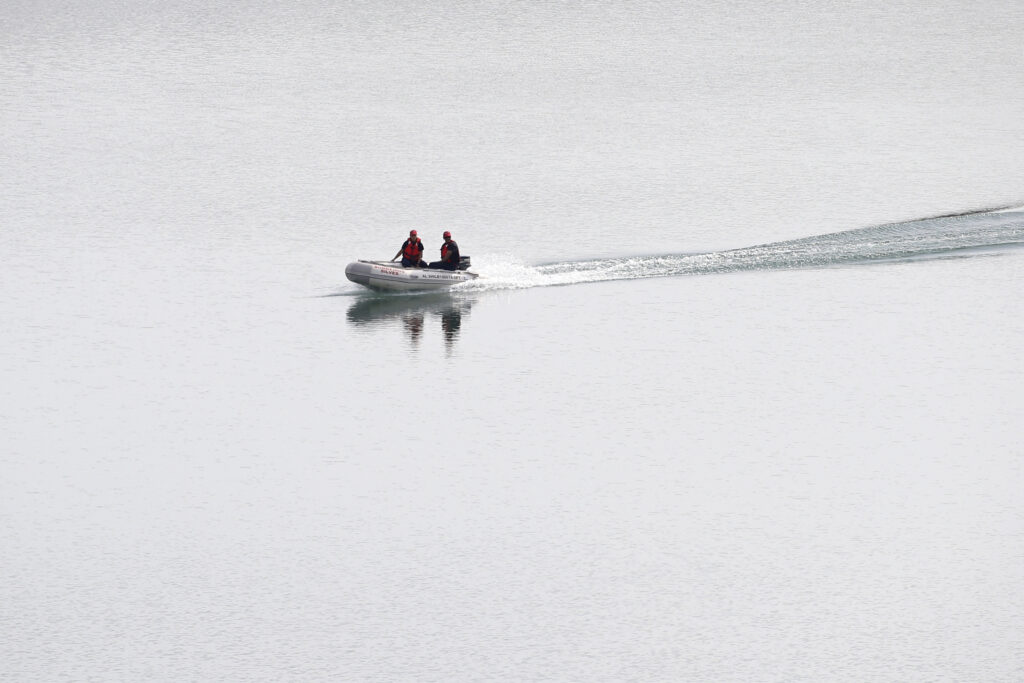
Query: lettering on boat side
[[415, 276]]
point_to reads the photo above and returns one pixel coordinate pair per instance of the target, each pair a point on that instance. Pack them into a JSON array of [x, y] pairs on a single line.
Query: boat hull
[[386, 276]]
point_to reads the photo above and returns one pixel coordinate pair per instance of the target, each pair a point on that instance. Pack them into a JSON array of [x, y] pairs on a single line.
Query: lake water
[[724, 404]]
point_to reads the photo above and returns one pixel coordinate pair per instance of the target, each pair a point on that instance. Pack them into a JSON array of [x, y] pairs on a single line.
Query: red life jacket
[[413, 250], [444, 252]]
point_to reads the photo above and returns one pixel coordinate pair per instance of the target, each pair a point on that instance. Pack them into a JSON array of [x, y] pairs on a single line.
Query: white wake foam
[[929, 238]]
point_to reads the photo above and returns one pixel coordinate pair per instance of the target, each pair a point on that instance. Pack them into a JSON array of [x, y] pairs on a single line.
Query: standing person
[[449, 254], [411, 252]]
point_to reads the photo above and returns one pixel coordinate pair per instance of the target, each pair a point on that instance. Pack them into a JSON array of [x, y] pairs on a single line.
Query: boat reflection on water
[[413, 313]]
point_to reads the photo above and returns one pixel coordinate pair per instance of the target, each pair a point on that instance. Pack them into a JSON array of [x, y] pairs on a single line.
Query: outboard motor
[[464, 263]]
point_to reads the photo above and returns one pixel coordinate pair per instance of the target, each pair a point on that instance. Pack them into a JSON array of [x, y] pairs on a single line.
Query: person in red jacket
[[449, 254], [411, 252]]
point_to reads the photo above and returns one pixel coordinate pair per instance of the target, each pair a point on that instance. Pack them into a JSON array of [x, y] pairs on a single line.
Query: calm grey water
[[722, 405]]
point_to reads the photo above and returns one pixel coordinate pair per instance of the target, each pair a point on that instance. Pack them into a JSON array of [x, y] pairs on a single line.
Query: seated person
[[411, 252], [449, 254]]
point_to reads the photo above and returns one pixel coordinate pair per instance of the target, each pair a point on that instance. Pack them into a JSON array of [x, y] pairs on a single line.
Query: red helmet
[[446, 234], [412, 233]]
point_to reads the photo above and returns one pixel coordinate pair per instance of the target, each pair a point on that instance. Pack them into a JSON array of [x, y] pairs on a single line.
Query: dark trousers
[[406, 263], [441, 265]]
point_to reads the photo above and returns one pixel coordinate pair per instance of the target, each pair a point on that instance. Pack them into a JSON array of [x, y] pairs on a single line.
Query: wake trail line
[[965, 234]]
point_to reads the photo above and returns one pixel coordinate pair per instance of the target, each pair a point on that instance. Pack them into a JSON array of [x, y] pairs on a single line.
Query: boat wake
[[958, 236]]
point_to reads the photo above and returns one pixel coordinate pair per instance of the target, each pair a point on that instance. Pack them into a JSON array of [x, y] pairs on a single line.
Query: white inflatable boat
[[388, 275]]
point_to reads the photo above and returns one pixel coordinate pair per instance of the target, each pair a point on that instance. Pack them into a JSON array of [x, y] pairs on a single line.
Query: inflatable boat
[[387, 275]]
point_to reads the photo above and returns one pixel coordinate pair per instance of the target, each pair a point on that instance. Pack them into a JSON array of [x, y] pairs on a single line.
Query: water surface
[[728, 402]]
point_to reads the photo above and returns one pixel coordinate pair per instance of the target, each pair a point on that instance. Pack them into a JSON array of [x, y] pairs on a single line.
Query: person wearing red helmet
[[411, 252], [449, 254]]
